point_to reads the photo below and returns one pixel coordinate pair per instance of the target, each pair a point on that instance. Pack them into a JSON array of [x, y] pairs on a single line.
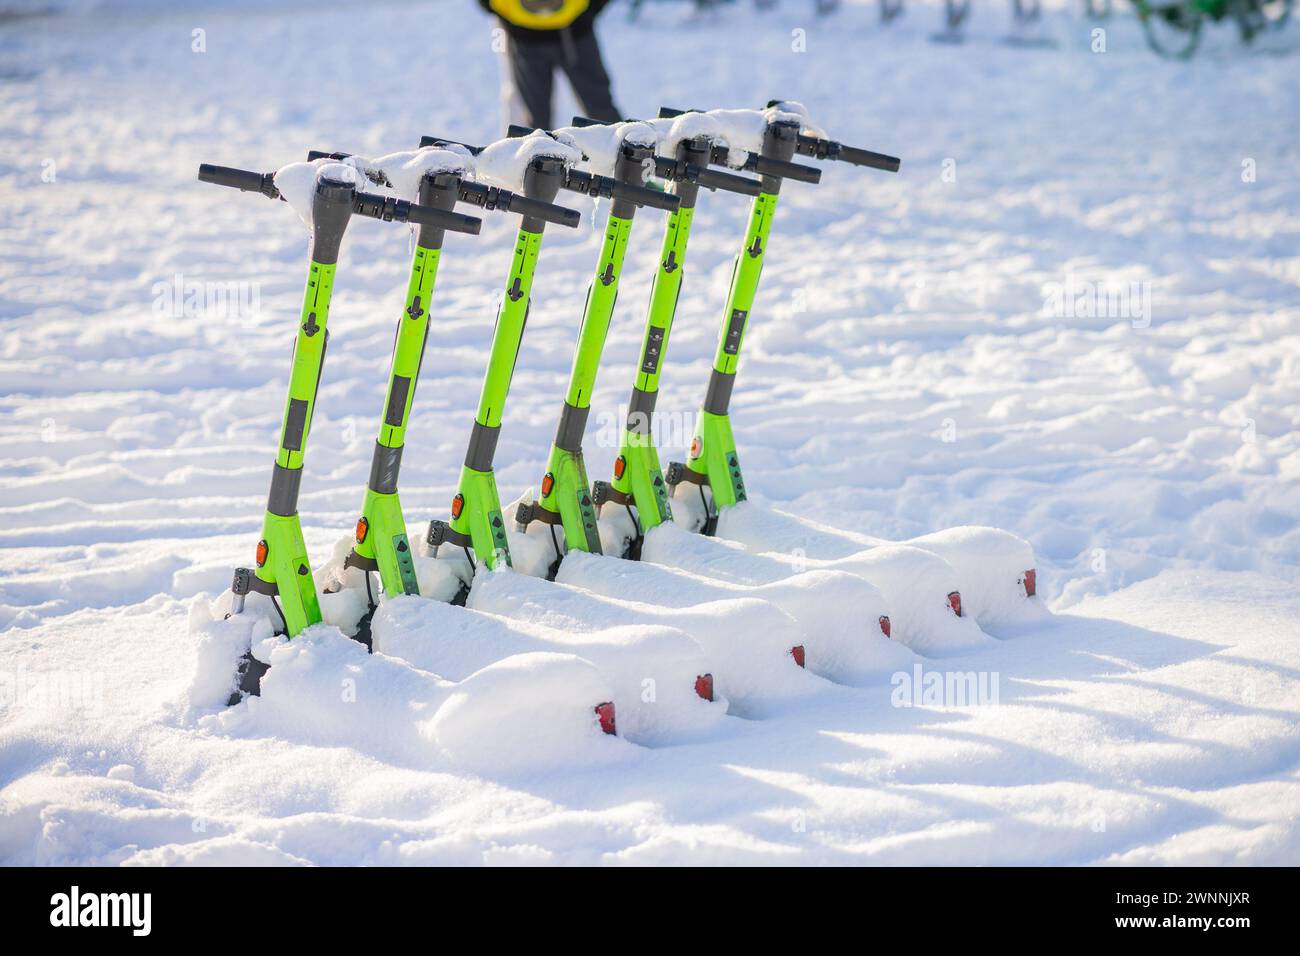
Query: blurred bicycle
[[1173, 27]]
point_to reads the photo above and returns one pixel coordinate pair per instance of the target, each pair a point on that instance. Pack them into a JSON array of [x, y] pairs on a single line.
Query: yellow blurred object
[[539, 14]]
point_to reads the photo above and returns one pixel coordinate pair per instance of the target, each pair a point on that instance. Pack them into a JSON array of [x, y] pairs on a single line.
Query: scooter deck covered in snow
[[282, 570]]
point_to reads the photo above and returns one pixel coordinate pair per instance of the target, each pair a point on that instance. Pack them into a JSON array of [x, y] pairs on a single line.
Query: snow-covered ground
[[925, 353]]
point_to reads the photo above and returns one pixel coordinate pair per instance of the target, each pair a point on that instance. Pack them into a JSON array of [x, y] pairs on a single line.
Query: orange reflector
[[363, 528], [797, 653], [697, 445], [605, 713], [620, 465], [261, 553], [1031, 582], [704, 686], [457, 505], [954, 602], [884, 625], [548, 482]]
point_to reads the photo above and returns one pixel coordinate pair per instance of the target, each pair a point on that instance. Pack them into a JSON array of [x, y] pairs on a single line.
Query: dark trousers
[[532, 65]]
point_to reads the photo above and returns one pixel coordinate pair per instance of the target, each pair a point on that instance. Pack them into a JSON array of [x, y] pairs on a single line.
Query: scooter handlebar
[[536, 209], [865, 157], [490, 197], [713, 179], [363, 204], [829, 149], [242, 179], [776, 168], [592, 185], [757, 163], [390, 209], [601, 185], [821, 149], [580, 182], [675, 171]]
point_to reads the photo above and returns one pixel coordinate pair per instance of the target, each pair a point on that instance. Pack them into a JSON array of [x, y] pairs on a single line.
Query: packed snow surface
[[1073, 316]]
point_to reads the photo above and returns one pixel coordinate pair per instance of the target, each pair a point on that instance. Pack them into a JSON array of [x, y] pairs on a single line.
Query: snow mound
[[403, 171], [522, 709], [673, 131], [796, 111], [224, 850], [325, 689], [915, 583], [601, 144], [297, 183], [652, 670], [219, 644], [525, 712], [743, 130], [838, 612], [504, 162], [992, 593], [989, 563], [746, 642]]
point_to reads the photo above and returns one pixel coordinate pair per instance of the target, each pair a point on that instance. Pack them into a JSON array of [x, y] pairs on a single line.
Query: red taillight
[[954, 602], [457, 505], [363, 528], [884, 625], [261, 553], [797, 653], [704, 686], [697, 445], [548, 482], [1031, 582], [620, 466], [605, 712]]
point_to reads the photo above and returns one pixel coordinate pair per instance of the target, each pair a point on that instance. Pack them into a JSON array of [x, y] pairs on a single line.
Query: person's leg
[[513, 108], [586, 72], [531, 75]]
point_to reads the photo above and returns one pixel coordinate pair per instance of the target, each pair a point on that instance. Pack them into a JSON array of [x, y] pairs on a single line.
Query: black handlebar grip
[[865, 157], [442, 219], [644, 196], [547, 211], [315, 154], [242, 179], [780, 169], [389, 209], [591, 185], [713, 179], [575, 180]]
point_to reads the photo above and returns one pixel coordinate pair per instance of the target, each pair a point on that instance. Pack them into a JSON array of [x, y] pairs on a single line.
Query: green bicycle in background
[[1173, 27]]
